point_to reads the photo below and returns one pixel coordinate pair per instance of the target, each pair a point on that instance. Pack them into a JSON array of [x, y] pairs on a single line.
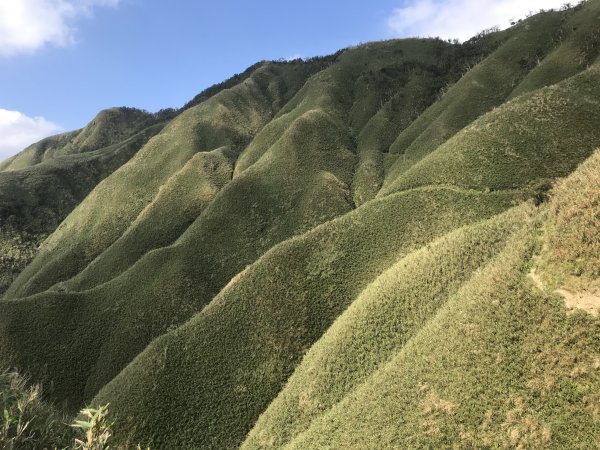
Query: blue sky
[[61, 61]]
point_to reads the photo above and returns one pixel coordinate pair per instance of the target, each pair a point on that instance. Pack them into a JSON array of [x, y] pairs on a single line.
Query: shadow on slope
[[500, 365], [542, 50], [523, 144], [221, 369], [230, 118], [379, 322], [34, 200]]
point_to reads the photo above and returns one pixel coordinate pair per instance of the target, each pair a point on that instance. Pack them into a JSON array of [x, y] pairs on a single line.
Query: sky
[[62, 61]]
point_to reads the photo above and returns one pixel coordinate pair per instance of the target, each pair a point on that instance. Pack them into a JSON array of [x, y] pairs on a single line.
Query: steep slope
[[237, 353], [336, 252], [264, 204], [278, 341], [569, 260], [506, 149], [34, 200], [535, 53], [502, 364], [381, 320], [37, 191], [109, 127], [231, 118]]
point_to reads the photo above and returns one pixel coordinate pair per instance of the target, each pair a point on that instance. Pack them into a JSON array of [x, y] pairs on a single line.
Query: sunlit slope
[[527, 141], [237, 353], [231, 118], [570, 238], [421, 72], [109, 127], [178, 203], [335, 252], [579, 46], [252, 379], [34, 200], [342, 90], [374, 91], [169, 285], [303, 182], [539, 51], [502, 364], [380, 321], [483, 87]]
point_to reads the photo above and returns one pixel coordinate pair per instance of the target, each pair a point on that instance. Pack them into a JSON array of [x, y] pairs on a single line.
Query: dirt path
[[588, 301]]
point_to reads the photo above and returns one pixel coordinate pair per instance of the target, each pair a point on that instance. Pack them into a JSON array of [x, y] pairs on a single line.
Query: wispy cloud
[[26, 25], [460, 19], [17, 131]]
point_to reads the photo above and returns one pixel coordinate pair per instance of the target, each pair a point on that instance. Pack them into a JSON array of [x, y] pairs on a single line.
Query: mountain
[[395, 246], [43, 183]]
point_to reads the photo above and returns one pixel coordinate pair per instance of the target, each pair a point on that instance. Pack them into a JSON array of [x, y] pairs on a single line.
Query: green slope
[[501, 365], [381, 320], [332, 253], [34, 200], [231, 117], [246, 343], [506, 149], [485, 86], [109, 127], [535, 53]]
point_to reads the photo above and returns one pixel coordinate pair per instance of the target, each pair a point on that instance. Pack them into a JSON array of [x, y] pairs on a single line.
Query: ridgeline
[[396, 246]]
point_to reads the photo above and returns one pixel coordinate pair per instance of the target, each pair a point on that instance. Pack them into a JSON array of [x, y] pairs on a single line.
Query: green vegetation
[[571, 239], [27, 421], [109, 127], [506, 149], [17, 249], [37, 197], [30, 423], [386, 315], [392, 246], [278, 307], [501, 365]]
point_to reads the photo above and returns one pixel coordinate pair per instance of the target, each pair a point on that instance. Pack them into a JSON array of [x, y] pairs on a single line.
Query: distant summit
[[395, 246]]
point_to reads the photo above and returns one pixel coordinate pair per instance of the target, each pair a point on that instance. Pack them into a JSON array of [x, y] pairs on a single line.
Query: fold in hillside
[[266, 202], [37, 197], [236, 266], [501, 364], [382, 319], [538, 52], [238, 352]]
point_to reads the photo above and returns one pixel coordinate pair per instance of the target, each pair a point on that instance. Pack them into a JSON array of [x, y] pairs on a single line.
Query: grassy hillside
[[34, 200], [248, 340], [17, 249], [381, 319], [570, 258], [500, 365], [535, 53], [506, 149], [228, 118], [374, 248], [109, 127]]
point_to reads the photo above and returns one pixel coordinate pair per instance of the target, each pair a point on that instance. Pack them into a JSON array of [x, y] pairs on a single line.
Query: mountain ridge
[[281, 262]]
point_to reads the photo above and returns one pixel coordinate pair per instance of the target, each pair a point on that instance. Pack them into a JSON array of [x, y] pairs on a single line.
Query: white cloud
[[17, 131], [26, 25], [460, 19]]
